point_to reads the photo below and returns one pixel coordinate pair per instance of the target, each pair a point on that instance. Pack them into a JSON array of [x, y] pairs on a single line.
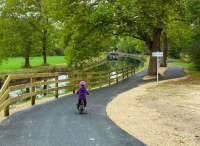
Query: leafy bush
[[194, 53], [174, 52], [58, 52], [185, 57]]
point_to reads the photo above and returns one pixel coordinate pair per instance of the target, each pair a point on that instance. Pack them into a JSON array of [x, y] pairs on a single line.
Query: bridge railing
[[91, 78]]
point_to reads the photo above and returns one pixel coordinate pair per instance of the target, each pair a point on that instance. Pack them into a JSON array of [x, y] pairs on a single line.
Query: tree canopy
[[192, 47], [91, 22], [87, 28], [193, 12], [26, 24]]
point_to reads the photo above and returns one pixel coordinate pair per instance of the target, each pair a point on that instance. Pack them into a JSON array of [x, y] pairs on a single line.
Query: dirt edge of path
[[145, 122]]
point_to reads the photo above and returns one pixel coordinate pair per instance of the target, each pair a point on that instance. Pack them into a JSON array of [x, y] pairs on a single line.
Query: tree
[[141, 46], [193, 16], [193, 50], [30, 24], [132, 45], [7, 39], [47, 28], [90, 22], [127, 45], [178, 34], [22, 29], [164, 50]]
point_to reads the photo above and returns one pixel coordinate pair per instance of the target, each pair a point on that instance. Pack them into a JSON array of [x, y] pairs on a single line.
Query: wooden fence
[[104, 76]]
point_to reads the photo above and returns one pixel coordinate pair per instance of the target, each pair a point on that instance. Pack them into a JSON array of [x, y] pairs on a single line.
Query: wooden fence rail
[[101, 77]]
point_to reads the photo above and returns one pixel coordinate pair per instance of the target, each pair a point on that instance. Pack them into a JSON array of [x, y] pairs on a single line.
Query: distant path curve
[[54, 123]]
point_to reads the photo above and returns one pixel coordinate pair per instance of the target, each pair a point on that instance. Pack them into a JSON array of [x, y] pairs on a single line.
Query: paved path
[[54, 123]]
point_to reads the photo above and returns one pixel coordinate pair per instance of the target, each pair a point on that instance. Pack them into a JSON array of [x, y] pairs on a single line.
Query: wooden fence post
[[116, 76], [28, 91], [6, 110], [88, 80], [32, 90], [56, 86], [74, 83], [100, 79], [45, 87], [123, 73], [109, 78], [131, 70], [127, 71]]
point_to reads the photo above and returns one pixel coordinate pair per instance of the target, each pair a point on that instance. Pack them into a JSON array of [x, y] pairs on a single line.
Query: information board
[[157, 54]]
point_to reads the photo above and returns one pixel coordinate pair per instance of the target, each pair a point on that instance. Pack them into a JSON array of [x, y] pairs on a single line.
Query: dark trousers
[[79, 102]]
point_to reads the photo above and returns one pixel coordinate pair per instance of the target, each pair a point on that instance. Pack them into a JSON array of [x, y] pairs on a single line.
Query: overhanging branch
[[176, 19], [114, 34], [130, 36], [138, 38]]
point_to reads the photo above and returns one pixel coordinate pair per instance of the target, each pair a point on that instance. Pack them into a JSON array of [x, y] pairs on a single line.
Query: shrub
[[194, 53], [58, 52]]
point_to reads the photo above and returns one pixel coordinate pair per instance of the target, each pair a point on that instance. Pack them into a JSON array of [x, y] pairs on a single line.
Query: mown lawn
[[14, 65], [182, 64], [18, 62]]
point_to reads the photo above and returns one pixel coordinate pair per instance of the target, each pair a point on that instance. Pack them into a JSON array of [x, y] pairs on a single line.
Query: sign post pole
[[157, 54], [157, 69]]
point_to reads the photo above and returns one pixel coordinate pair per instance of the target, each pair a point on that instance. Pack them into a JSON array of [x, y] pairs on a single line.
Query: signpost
[[157, 54]]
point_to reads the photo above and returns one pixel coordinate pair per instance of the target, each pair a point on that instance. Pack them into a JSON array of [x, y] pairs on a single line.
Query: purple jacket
[[82, 91]]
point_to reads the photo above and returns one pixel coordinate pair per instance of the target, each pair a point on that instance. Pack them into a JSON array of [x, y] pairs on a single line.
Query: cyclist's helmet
[[82, 83]]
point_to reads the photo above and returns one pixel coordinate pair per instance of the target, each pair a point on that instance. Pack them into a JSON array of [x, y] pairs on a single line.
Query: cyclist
[[82, 92]]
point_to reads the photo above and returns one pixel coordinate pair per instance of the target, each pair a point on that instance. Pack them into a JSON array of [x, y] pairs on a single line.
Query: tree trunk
[[164, 50], [44, 47], [152, 69], [27, 63], [44, 88], [144, 53]]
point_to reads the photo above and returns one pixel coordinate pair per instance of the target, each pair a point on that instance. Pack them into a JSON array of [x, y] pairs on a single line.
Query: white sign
[[157, 54]]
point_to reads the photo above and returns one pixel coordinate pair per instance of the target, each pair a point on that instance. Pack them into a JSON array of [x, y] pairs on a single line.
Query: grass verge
[[56, 63], [18, 62], [189, 66]]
